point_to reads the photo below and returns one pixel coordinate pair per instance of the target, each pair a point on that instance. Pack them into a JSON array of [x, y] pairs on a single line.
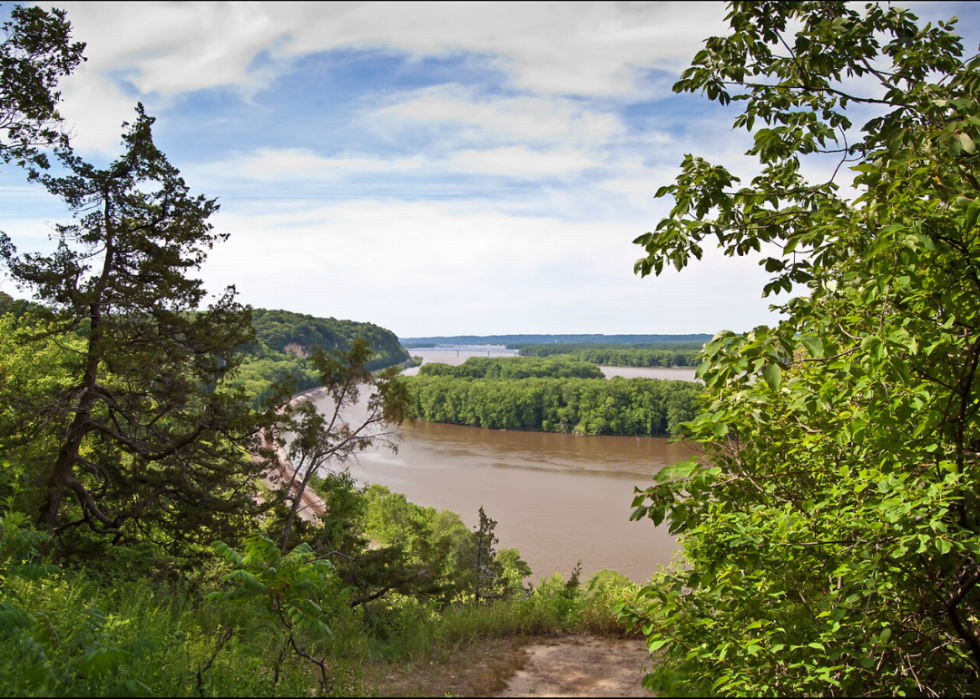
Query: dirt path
[[581, 666]]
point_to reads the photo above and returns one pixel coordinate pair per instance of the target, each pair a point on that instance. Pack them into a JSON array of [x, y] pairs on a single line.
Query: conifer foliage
[[148, 437]]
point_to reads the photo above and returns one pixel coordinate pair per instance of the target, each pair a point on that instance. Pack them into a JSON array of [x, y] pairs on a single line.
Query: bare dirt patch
[[581, 666], [476, 670]]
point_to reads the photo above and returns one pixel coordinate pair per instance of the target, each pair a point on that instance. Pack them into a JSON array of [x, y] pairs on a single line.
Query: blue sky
[[435, 169]]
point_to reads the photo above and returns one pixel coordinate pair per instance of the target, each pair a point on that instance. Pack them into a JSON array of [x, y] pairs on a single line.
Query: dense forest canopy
[[618, 406], [297, 333], [282, 346], [617, 355], [514, 368], [285, 340]]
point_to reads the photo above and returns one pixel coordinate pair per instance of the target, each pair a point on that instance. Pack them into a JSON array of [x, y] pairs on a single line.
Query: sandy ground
[[581, 666]]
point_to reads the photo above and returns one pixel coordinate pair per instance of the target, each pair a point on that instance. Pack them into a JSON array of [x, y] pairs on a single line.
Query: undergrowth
[[88, 634]]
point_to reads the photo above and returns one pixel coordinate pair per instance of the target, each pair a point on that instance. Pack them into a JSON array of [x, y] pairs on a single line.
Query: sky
[[437, 169]]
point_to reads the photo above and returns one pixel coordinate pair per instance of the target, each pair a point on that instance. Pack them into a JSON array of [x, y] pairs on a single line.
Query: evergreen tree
[[148, 437], [35, 54]]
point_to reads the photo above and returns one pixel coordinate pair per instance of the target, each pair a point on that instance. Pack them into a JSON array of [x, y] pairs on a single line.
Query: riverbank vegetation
[[284, 342], [832, 530], [514, 368], [617, 406], [665, 355]]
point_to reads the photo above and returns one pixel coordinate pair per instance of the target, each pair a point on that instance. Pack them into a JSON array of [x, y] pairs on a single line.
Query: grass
[[159, 639]]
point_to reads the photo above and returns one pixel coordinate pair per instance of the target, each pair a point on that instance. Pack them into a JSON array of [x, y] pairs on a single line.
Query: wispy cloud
[[437, 168], [298, 164]]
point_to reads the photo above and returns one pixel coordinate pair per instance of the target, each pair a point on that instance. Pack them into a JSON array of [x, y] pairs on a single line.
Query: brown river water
[[557, 498]]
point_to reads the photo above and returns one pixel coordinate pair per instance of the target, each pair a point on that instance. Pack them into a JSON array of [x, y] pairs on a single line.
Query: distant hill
[[285, 339], [296, 333], [518, 341], [283, 342]]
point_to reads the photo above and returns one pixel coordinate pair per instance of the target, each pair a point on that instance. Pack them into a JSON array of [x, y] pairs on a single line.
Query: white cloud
[[296, 164], [167, 48], [521, 162], [444, 267], [527, 118]]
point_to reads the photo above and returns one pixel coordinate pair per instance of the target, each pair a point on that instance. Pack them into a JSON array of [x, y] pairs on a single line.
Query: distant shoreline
[[308, 394]]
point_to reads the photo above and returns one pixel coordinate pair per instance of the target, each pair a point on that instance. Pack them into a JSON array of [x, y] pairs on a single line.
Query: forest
[[296, 334], [281, 347], [514, 368], [645, 355], [284, 341], [588, 406]]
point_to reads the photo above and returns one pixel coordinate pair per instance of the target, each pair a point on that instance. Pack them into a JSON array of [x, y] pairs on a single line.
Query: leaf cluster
[[831, 532]]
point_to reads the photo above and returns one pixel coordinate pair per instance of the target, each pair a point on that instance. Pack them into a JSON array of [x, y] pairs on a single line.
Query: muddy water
[[558, 498]]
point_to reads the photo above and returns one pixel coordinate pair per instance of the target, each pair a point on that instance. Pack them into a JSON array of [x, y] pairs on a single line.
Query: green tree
[[486, 568], [296, 592], [36, 52], [832, 529], [316, 440], [146, 435]]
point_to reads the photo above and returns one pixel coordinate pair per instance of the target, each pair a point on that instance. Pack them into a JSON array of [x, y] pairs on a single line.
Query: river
[[557, 498]]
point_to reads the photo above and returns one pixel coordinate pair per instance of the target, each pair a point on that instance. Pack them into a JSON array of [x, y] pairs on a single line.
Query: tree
[[317, 439], [36, 52], [486, 569], [831, 529], [149, 440]]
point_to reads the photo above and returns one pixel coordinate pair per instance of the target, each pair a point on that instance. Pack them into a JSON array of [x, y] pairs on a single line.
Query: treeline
[[297, 333], [665, 356], [15, 307], [642, 407], [518, 341], [515, 368], [284, 340]]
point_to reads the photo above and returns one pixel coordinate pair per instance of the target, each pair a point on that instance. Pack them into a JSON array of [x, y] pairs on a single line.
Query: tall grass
[[175, 642]]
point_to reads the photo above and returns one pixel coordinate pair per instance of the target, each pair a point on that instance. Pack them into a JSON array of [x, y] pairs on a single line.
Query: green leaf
[[873, 346], [814, 345], [13, 620], [972, 213], [773, 375], [966, 143]]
